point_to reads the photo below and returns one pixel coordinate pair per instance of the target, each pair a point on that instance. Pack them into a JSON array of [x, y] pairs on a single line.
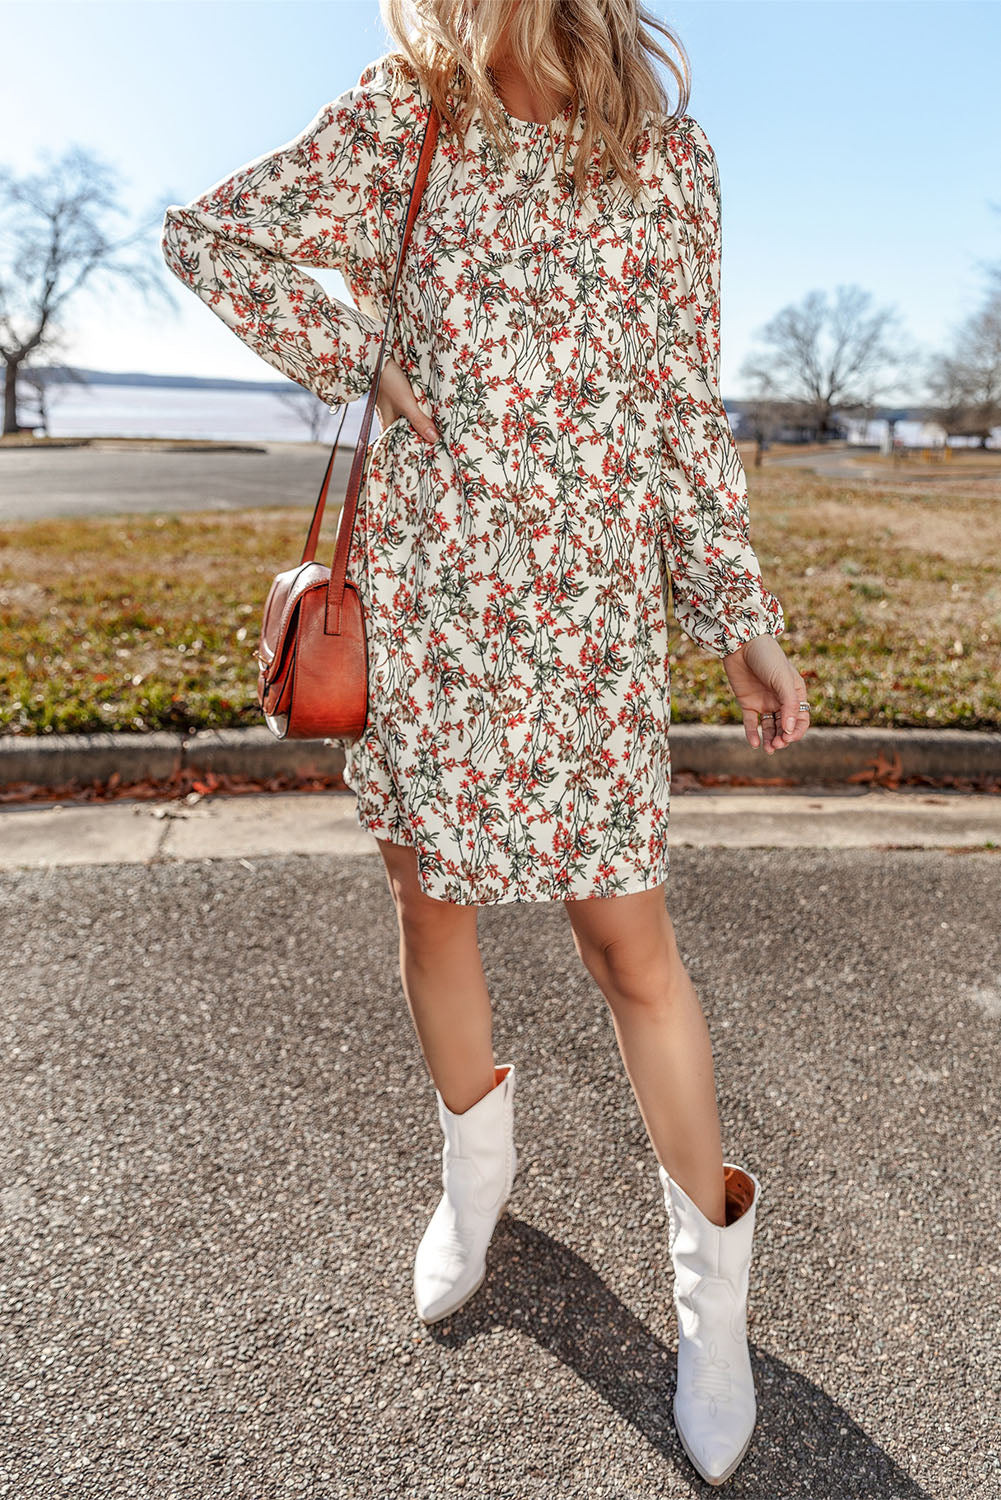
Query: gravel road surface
[[220, 1151]]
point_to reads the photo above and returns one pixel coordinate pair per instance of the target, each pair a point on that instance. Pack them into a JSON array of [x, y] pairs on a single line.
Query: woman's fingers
[[402, 402], [419, 420], [424, 425], [789, 712], [759, 728], [791, 721], [769, 736], [751, 730]]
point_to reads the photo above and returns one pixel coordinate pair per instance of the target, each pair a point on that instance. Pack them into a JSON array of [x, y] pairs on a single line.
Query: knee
[[638, 975]]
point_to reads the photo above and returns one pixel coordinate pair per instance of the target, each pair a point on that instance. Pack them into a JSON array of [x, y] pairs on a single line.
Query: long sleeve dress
[[514, 574]]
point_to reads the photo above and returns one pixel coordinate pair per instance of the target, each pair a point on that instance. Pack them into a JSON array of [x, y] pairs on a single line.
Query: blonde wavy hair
[[597, 53]]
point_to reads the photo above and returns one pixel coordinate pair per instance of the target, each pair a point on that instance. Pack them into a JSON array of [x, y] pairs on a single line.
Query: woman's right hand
[[396, 399]]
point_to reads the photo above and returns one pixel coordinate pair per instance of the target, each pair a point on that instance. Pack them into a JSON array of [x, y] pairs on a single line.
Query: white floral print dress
[[514, 574]]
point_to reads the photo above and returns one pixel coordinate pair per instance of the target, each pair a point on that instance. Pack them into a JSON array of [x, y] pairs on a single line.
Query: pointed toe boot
[[479, 1161], [714, 1403]]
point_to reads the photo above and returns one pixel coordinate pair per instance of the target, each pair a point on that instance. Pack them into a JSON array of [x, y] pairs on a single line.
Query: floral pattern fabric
[[515, 573]]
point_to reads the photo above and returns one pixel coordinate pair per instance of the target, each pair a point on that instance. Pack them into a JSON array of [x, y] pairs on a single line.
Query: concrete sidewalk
[[251, 827]]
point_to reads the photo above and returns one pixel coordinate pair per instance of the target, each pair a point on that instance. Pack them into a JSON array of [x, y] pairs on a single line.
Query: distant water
[[104, 410], [189, 412]]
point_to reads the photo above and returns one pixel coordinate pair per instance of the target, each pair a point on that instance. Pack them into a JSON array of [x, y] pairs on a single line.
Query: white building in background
[[908, 433]]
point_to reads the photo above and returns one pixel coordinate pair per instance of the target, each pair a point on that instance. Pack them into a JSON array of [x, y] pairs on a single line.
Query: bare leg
[[628, 945], [442, 975]]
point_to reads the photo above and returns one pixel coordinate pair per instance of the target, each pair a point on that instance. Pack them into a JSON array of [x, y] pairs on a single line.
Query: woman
[[554, 450]]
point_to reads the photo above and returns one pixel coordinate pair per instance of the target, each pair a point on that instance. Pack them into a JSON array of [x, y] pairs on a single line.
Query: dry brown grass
[[891, 591]]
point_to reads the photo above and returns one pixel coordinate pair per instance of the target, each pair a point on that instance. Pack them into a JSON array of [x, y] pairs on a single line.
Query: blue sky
[[858, 141]]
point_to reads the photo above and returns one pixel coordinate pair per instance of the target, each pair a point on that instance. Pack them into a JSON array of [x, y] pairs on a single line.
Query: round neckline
[[520, 126], [530, 126]]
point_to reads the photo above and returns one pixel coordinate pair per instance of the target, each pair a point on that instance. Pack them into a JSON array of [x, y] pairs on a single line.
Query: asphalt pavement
[[107, 478], [220, 1150]]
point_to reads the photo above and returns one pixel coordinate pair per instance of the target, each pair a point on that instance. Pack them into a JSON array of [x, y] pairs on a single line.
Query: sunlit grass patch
[[892, 599]]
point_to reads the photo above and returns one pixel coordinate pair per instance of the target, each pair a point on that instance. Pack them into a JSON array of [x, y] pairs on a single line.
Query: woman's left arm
[[720, 598], [719, 595]]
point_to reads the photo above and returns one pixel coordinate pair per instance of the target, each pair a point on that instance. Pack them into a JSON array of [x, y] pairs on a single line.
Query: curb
[[833, 755], [56, 760], [827, 755]]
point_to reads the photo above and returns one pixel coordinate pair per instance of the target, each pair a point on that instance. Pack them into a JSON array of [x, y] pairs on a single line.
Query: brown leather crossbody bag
[[313, 678]]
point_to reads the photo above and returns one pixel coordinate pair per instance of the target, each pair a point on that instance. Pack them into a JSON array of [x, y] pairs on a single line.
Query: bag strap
[[345, 528]]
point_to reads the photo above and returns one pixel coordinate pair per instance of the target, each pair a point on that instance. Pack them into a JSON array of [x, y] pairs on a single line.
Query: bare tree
[[965, 383], [760, 419], [308, 408], [40, 387], [823, 356], [53, 245]]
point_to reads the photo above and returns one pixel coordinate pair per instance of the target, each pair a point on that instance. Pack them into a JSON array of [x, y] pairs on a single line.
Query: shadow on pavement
[[804, 1443]]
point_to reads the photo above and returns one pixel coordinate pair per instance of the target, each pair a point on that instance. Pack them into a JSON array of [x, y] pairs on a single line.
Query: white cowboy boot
[[479, 1161], [714, 1404]]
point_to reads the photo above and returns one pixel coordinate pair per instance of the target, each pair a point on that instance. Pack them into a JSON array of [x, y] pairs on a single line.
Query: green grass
[[891, 594]]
